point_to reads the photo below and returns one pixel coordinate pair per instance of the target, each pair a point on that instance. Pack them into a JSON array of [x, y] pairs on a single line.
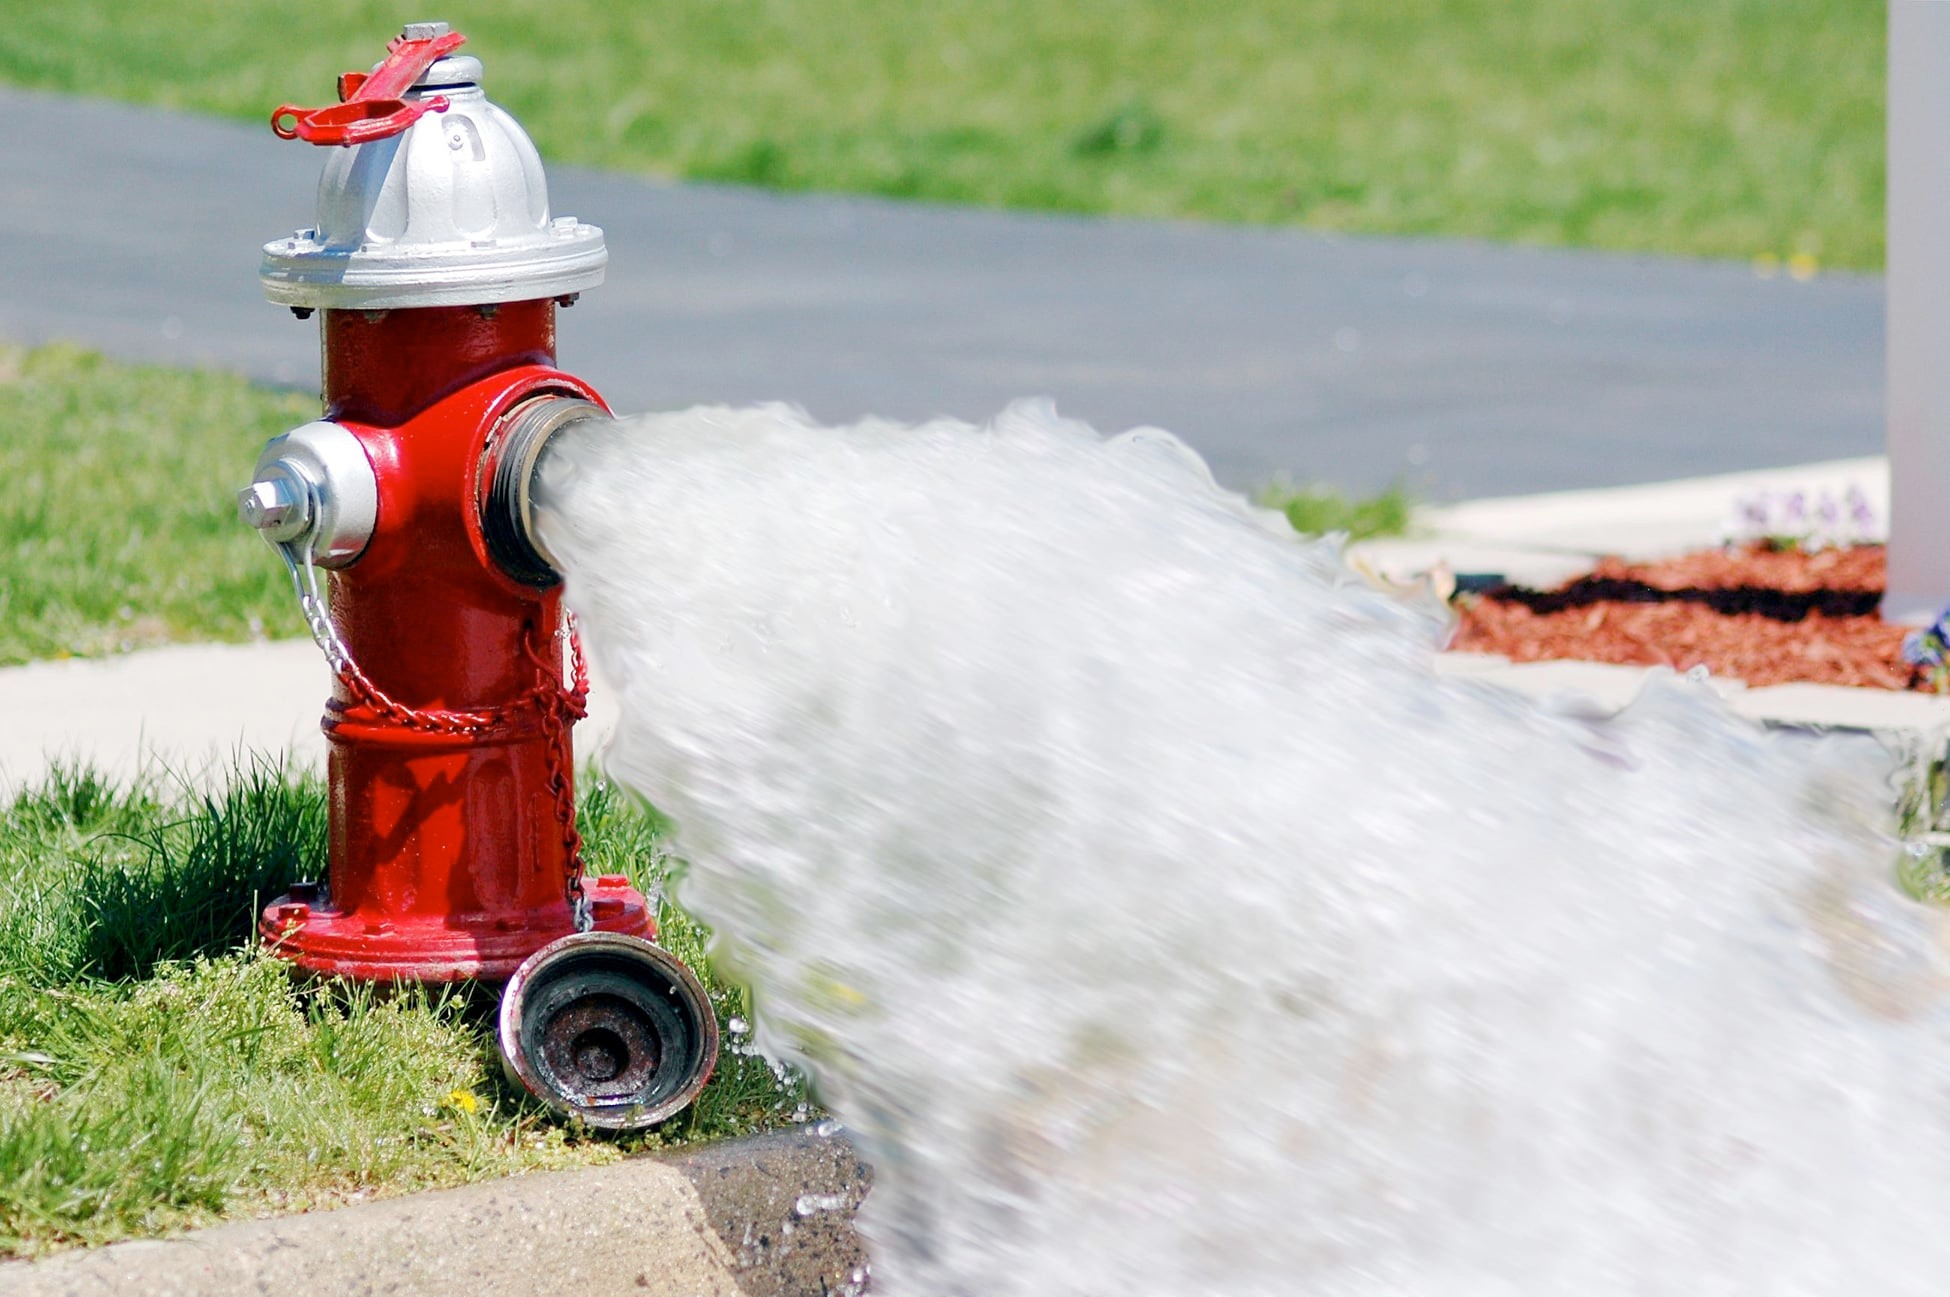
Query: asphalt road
[[1463, 369]]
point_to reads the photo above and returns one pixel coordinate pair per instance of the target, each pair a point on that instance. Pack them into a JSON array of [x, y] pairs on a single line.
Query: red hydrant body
[[451, 848], [438, 267], [454, 849]]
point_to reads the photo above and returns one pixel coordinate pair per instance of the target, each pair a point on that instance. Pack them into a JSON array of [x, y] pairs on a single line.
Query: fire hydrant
[[454, 851]]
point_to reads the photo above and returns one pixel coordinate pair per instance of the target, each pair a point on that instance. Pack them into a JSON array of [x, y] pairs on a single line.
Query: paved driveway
[[1465, 369]]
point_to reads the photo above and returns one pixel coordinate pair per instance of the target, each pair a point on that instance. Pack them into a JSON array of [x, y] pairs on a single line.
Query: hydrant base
[[438, 948]]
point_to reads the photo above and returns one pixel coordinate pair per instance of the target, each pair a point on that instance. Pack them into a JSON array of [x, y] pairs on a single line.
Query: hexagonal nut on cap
[[275, 506]]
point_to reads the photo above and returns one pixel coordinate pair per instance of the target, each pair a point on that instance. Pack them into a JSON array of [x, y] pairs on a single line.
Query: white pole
[[1917, 282]]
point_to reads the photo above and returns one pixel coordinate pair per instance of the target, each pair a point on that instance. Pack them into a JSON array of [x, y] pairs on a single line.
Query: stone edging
[[766, 1216]]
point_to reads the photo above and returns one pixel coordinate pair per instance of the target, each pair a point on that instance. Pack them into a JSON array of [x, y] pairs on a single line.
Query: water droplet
[[812, 1204]]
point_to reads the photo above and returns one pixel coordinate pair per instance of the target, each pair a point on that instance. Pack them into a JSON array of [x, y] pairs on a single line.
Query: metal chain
[[561, 707], [433, 720]]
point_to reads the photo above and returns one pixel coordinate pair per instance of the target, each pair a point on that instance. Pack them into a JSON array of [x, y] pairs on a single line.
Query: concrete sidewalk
[[185, 713], [1463, 369]]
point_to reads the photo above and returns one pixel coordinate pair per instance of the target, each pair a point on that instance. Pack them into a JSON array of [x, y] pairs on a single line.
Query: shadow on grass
[[194, 886], [108, 884]]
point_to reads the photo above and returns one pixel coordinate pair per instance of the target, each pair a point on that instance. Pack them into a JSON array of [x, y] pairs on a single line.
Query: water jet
[[1159, 922]]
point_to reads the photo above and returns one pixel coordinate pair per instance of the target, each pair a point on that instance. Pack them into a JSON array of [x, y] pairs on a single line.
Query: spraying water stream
[[1162, 925]]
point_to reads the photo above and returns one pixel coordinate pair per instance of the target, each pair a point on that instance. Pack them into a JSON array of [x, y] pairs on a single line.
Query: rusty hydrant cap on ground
[[452, 211]]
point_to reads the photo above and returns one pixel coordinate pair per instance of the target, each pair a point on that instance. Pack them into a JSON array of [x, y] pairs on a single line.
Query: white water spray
[[1163, 926]]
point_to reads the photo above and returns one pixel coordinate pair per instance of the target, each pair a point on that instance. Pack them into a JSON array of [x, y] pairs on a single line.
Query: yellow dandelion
[[1803, 266], [463, 1101]]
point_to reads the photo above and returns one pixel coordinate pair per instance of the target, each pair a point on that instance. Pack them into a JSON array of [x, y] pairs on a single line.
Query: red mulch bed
[[1762, 615]]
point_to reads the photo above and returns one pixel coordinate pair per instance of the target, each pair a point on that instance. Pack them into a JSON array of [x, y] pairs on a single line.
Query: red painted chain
[[432, 720], [561, 708]]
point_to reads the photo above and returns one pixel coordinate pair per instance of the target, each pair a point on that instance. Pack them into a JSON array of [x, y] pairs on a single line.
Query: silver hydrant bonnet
[[453, 211]]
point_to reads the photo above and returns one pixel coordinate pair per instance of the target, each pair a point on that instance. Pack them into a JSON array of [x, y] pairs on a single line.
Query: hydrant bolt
[[275, 506]]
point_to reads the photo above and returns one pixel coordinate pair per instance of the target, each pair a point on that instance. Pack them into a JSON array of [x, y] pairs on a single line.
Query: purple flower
[[1928, 647]]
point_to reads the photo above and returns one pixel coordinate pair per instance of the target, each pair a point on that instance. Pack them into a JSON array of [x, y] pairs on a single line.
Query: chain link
[[561, 707], [558, 706], [432, 720]]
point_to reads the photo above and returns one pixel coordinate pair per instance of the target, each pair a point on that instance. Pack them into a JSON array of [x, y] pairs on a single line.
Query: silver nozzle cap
[[314, 488]]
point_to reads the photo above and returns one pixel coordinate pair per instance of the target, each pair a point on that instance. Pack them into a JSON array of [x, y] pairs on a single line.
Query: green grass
[[1316, 510], [157, 1071], [118, 522], [1717, 127]]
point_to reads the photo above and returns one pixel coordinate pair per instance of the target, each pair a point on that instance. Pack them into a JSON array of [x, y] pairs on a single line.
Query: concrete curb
[[1647, 521], [766, 1216], [1540, 540]]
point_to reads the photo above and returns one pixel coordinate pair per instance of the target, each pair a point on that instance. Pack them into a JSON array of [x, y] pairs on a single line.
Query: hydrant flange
[[611, 1029], [513, 461]]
